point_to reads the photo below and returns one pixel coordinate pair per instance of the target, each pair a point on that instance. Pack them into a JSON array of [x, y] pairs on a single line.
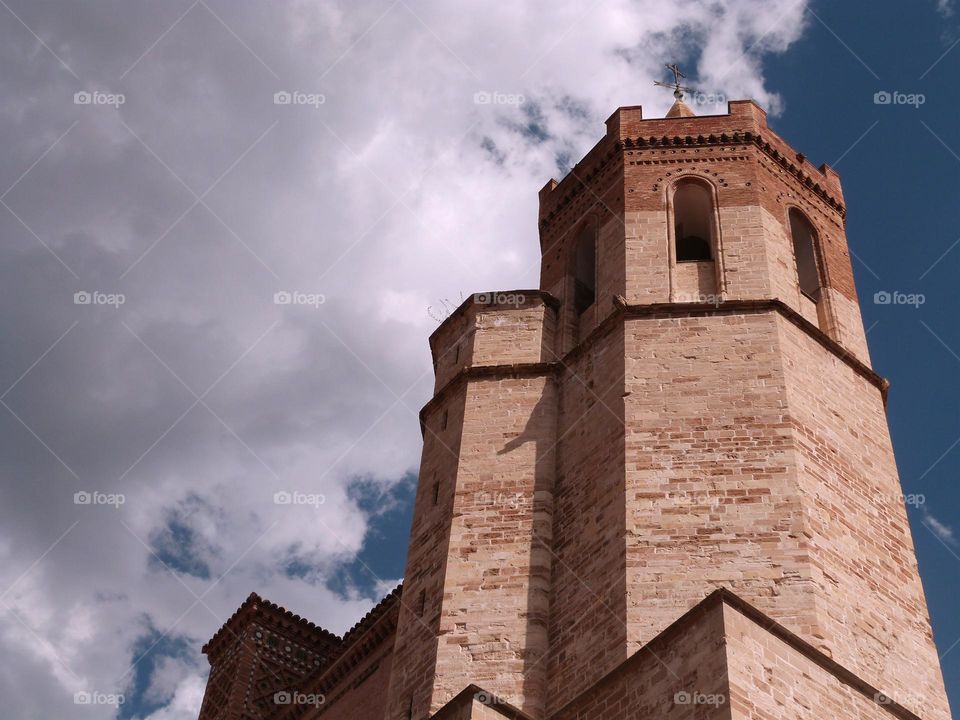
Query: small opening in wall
[[585, 270], [805, 252], [456, 354], [443, 420], [436, 492], [410, 709], [422, 603], [693, 222]]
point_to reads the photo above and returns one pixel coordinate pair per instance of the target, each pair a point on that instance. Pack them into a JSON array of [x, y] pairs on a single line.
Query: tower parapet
[[263, 650]]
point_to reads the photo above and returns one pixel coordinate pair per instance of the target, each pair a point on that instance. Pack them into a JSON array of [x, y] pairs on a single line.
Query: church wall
[[672, 678], [361, 694], [587, 605], [415, 651], [771, 680], [711, 493], [647, 256], [493, 627], [870, 600]]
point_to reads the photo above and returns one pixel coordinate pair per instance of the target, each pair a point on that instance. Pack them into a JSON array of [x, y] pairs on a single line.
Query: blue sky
[[201, 398]]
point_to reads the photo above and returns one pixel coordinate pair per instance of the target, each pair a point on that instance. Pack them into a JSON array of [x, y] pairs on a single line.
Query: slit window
[[805, 252], [585, 271], [693, 222]]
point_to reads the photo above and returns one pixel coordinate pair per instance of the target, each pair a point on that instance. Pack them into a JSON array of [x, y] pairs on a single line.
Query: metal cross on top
[[678, 89]]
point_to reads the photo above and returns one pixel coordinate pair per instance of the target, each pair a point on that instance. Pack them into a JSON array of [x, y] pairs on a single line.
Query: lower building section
[[723, 660]]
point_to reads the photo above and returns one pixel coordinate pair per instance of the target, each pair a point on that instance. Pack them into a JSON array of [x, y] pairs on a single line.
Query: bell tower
[[684, 408]]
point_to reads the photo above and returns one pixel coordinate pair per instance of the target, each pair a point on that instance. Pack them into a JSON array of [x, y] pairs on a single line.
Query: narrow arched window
[[693, 222], [585, 270], [805, 252]]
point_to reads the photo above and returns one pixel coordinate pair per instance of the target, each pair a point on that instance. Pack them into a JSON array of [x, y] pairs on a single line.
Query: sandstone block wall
[[712, 497], [495, 328], [682, 678], [769, 679], [588, 599], [870, 602], [415, 648], [495, 604]]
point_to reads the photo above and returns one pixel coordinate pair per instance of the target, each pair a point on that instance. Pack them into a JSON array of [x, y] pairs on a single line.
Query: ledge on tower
[[499, 327], [723, 659]]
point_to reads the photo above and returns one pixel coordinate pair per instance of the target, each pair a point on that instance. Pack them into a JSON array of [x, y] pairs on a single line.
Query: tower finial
[[678, 89]]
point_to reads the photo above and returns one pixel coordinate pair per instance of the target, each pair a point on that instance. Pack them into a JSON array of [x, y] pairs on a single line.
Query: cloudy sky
[[159, 203]]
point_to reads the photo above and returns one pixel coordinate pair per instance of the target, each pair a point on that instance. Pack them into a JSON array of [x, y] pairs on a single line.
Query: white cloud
[[941, 530], [186, 700], [397, 192]]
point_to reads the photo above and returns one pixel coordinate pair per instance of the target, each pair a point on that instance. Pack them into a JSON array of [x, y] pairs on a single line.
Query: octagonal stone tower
[[684, 407]]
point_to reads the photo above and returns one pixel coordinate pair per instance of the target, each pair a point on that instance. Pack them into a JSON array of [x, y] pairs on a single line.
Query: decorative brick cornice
[[735, 137], [257, 609]]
